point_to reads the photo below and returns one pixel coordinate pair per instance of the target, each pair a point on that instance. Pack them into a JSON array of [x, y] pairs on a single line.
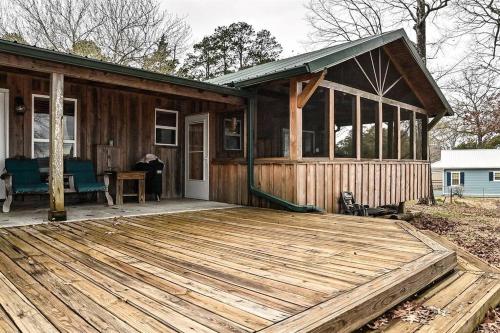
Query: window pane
[[389, 134], [232, 134], [497, 176], [406, 134], [41, 121], [40, 149], [345, 115], [232, 143], [369, 131], [69, 120], [196, 151], [315, 125], [455, 178], [420, 133], [166, 119], [69, 150], [272, 121], [165, 136]]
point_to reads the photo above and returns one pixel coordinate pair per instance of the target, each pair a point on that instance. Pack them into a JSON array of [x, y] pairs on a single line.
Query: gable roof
[[317, 61], [76, 60], [468, 159]]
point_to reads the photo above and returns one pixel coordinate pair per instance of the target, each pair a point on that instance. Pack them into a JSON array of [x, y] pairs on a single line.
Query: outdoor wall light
[[19, 105]]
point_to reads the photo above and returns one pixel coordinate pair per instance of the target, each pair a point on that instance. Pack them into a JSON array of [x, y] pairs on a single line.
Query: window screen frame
[[495, 174], [34, 140], [240, 135], [173, 128], [451, 178]]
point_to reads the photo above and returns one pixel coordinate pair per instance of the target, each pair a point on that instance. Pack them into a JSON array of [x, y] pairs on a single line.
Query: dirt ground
[[472, 223]]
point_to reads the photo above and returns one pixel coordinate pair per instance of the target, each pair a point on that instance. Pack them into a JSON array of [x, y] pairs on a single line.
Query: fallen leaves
[[409, 312], [491, 323]]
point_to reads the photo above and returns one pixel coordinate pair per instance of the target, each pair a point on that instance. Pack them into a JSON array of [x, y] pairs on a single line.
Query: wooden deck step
[[461, 299]]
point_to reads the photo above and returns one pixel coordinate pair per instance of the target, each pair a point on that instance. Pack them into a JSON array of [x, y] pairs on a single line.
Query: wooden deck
[[232, 270], [463, 297]]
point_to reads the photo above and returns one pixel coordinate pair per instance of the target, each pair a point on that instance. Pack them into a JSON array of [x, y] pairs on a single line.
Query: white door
[[4, 135], [197, 163]]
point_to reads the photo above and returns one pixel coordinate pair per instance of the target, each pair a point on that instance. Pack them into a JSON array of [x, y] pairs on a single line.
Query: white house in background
[[477, 171]]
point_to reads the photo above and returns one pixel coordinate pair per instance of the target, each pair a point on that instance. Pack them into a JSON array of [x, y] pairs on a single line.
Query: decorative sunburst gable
[[374, 72]]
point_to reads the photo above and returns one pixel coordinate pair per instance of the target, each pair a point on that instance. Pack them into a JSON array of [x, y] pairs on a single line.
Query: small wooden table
[[139, 176]]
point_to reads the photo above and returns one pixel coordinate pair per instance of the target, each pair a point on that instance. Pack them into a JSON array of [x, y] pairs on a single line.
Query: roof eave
[[272, 77], [74, 60]]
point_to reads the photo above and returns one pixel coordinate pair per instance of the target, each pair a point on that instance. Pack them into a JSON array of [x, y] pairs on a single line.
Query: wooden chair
[[22, 176], [84, 178]]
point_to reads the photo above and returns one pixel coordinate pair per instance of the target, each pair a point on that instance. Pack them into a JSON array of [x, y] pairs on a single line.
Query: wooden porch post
[[295, 121], [398, 131], [331, 122], [357, 128], [380, 133], [56, 165]]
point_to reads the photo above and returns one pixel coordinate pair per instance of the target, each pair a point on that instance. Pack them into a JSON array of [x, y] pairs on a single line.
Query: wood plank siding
[[319, 183], [104, 113]]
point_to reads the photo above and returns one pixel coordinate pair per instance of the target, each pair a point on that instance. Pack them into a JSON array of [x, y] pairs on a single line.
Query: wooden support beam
[[16, 61], [357, 128], [435, 120], [380, 131], [413, 135], [309, 89], [295, 121], [331, 122], [398, 131], [56, 152]]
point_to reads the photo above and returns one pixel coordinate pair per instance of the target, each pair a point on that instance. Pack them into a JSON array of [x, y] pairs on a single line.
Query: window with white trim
[[41, 126], [232, 134], [166, 127], [455, 178], [496, 176]]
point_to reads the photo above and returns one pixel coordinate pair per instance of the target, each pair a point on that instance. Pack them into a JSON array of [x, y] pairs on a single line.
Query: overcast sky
[[284, 18]]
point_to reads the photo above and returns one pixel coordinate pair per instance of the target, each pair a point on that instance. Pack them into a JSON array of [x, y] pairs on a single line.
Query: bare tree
[[481, 18], [130, 29], [344, 20], [477, 105], [335, 21], [56, 24], [128, 32]]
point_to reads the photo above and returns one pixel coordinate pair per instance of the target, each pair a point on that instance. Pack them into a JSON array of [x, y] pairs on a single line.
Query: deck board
[[233, 270]]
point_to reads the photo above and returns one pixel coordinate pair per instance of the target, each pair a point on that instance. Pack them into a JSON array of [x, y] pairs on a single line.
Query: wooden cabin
[[350, 117]]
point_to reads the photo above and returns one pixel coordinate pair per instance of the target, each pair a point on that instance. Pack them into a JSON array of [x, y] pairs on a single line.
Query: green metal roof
[[71, 59], [317, 61]]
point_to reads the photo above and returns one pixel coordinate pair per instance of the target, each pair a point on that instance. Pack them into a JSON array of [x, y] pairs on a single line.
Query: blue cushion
[[83, 171], [31, 188], [23, 171], [90, 187]]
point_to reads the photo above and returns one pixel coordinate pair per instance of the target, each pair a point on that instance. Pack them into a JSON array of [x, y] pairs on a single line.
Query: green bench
[[84, 179], [23, 176]]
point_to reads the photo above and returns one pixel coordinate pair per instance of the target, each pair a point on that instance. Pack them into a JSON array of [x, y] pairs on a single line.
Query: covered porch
[[60, 107]]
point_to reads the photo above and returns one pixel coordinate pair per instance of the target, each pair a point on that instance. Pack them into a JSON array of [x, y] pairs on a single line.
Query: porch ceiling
[[233, 270]]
